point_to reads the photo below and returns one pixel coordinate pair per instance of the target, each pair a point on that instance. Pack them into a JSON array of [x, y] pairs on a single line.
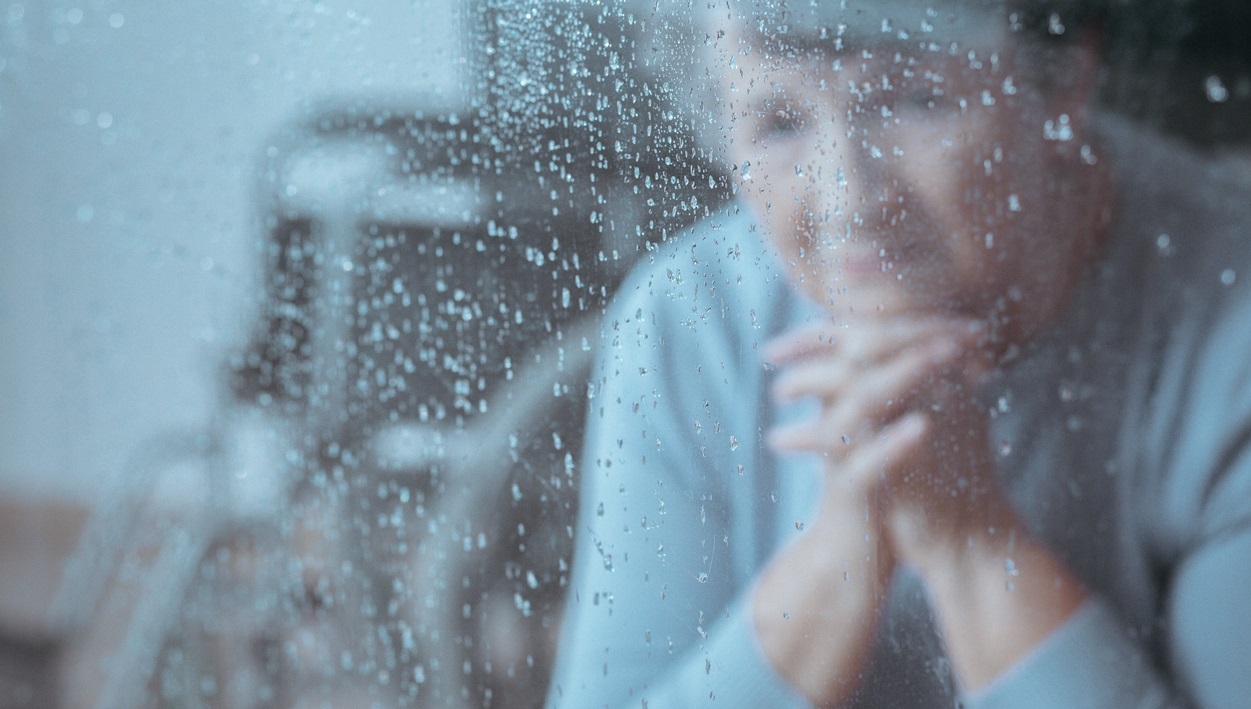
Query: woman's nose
[[846, 183]]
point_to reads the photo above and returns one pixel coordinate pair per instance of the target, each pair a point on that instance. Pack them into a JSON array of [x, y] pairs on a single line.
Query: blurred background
[[297, 303]]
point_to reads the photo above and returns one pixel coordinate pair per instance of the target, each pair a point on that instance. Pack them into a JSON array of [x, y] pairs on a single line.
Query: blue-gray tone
[[1125, 437]]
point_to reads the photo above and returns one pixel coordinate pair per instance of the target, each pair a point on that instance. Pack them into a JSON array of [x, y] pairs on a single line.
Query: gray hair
[[680, 47]]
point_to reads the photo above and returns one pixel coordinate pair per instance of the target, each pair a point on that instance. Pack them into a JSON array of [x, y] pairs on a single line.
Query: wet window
[[559, 353]]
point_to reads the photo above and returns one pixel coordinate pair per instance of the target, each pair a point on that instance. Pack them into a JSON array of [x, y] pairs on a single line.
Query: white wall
[[130, 136]]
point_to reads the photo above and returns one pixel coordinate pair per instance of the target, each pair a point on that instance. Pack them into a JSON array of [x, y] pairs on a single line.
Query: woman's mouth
[[888, 262]]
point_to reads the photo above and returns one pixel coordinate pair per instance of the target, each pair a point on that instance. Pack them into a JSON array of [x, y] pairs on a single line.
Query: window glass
[[521, 353]]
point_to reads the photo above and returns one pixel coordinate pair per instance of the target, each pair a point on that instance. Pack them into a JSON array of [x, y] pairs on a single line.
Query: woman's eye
[[925, 100], [781, 121]]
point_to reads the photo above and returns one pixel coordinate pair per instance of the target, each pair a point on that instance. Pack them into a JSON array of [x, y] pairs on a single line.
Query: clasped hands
[[900, 422], [909, 477]]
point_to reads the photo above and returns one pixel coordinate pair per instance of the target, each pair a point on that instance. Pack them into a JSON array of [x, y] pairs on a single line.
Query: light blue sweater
[[1126, 445]]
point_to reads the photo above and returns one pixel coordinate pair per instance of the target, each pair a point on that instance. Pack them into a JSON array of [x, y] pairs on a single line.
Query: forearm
[[814, 614], [996, 595]]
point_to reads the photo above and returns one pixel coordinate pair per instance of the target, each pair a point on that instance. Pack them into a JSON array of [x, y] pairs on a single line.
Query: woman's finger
[[858, 414], [858, 407], [831, 377], [802, 341], [864, 341], [897, 446], [806, 437]]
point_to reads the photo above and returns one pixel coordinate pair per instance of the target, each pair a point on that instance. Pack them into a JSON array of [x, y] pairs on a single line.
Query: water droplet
[[1215, 90], [1054, 24], [1074, 489], [1228, 276], [1059, 129], [1165, 244]]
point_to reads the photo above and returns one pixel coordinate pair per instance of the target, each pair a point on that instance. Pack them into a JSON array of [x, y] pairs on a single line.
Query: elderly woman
[[951, 404]]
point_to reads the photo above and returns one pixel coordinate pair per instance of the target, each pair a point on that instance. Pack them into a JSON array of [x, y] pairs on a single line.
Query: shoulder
[[716, 286], [1182, 232], [1185, 212], [1187, 218]]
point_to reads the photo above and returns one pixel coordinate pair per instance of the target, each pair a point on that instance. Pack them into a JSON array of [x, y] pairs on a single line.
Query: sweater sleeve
[[657, 614], [1192, 507], [1091, 661], [1087, 662]]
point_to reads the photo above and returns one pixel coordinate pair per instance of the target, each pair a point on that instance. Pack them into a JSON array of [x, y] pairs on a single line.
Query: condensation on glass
[[343, 427]]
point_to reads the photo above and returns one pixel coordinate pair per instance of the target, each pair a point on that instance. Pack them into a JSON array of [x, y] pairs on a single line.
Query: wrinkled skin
[[914, 197]]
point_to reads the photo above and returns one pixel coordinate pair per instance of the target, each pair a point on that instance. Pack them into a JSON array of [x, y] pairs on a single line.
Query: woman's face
[[894, 182]]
